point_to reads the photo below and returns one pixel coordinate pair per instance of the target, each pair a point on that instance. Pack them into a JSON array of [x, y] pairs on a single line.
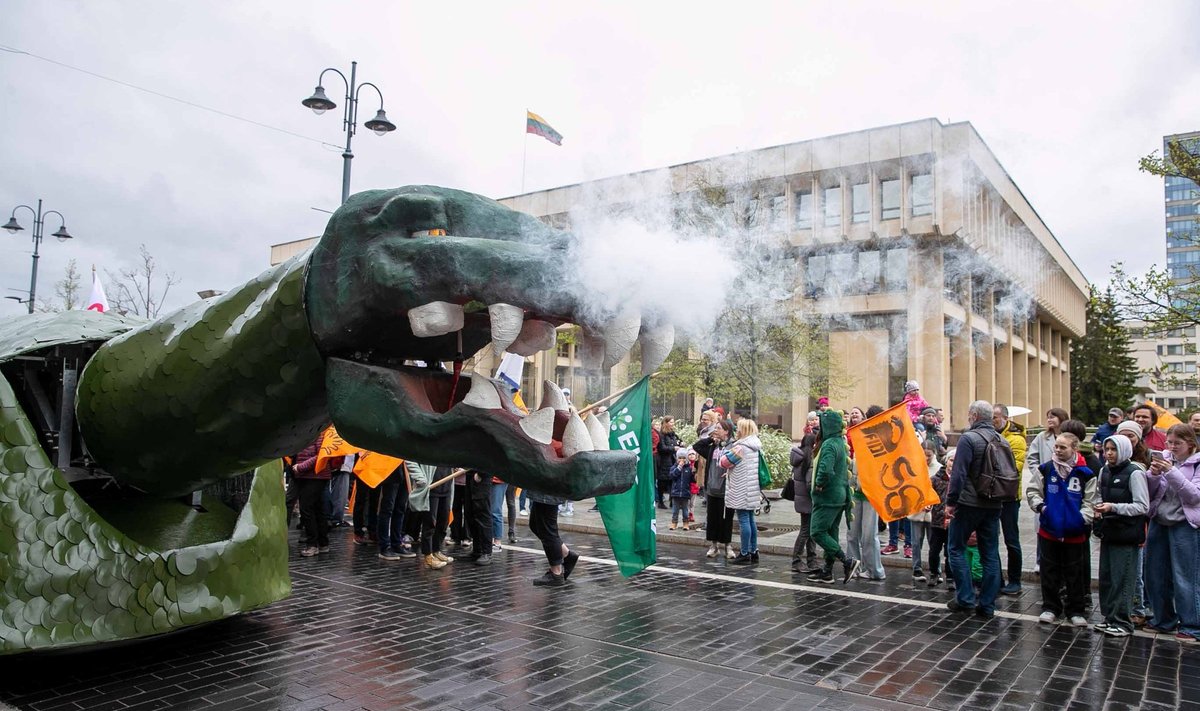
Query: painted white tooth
[[576, 438], [483, 393], [535, 337], [619, 336], [591, 351], [552, 397], [656, 346], [506, 325], [598, 432], [436, 318], [605, 419], [539, 426]]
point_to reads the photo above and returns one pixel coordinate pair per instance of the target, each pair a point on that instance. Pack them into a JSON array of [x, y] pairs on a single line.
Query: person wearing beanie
[[913, 400], [1133, 431], [1120, 524], [683, 473], [822, 404]]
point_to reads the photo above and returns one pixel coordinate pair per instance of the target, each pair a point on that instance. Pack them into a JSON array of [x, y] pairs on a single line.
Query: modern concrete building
[[929, 260], [1175, 377], [911, 242]]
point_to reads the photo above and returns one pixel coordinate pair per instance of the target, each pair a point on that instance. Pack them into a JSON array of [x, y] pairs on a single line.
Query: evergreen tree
[[1102, 371]]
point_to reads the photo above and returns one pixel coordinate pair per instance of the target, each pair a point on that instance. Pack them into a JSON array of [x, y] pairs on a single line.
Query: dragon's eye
[[429, 233]]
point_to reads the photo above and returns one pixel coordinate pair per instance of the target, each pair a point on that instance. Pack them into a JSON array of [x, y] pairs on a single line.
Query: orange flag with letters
[[892, 471]]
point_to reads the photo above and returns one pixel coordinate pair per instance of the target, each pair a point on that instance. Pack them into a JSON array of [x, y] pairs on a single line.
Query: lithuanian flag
[[537, 126]]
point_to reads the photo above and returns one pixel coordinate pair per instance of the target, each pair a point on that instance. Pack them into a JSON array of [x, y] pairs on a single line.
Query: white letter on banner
[[629, 442]]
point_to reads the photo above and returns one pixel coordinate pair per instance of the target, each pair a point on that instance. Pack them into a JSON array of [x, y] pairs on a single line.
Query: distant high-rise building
[[1182, 198]]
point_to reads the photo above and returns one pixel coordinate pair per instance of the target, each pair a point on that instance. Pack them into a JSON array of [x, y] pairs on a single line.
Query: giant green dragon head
[[432, 274]]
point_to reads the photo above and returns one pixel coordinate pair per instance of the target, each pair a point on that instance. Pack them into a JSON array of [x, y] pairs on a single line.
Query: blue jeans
[[1012, 540], [862, 542], [749, 532], [895, 528], [985, 524], [1141, 606], [679, 505], [497, 501], [393, 500], [1172, 561]]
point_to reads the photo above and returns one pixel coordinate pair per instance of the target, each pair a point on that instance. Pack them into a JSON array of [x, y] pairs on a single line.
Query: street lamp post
[[320, 103], [39, 219]]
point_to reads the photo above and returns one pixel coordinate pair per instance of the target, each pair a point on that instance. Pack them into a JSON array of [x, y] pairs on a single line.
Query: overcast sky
[[1067, 94]]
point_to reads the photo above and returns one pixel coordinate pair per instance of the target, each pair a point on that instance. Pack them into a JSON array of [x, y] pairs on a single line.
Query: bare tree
[[141, 290], [66, 290]]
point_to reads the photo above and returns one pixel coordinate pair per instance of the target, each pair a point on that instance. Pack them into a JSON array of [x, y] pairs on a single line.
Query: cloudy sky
[[1067, 94]]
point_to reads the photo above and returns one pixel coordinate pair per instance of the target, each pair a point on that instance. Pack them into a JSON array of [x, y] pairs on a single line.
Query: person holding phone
[[1173, 541], [1120, 524]]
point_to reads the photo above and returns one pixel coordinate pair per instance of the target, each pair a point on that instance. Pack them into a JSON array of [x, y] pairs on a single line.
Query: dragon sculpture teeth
[[227, 385]]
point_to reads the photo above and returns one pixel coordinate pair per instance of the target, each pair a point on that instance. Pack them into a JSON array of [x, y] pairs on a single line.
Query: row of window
[[920, 202], [1177, 349], [1183, 233], [1185, 332], [1179, 403], [1182, 192], [1188, 257], [1184, 209], [864, 272]]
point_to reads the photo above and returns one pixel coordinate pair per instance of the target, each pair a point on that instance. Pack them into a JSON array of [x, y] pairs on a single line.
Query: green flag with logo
[[629, 517]]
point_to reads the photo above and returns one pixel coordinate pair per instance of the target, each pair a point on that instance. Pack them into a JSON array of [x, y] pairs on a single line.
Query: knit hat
[[911, 387], [931, 410], [823, 401], [1123, 445], [1132, 427], [681, 453]]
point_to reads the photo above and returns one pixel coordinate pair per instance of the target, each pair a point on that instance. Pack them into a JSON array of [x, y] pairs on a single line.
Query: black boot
[[826, 574]]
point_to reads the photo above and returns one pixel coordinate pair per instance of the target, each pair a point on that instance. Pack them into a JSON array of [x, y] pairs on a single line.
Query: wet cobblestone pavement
[[361, 633]]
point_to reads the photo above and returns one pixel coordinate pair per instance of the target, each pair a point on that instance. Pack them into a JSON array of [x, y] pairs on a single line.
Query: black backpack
[[997, 478]]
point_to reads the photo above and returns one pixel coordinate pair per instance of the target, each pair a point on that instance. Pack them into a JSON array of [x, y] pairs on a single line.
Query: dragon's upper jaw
[[434, 275]]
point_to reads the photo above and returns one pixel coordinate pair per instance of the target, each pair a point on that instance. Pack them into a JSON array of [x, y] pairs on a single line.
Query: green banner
[[629, 517]]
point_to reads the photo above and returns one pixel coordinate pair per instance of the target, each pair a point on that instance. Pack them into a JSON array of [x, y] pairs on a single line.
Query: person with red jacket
[[311, 482]]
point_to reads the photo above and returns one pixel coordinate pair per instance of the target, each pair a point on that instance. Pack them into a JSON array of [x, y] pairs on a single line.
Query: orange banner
[[373, 467], [892, 471], [333, 445]]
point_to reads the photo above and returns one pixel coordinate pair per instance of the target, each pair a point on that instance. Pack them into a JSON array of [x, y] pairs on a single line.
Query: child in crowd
[[974, 562], [697, 482], [1063, 494], [920, 521], [682, 476], [1121, 527]]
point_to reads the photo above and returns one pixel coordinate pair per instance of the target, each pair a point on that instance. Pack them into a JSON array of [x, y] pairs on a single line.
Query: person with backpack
[[982, 479]]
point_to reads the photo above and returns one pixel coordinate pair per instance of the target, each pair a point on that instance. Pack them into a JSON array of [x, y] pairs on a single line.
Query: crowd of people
[[1129, 487]]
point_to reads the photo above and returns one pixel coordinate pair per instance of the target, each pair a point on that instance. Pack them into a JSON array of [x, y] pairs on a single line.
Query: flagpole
[[525, 151]]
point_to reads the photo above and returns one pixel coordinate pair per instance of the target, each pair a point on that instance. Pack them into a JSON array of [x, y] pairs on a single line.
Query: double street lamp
[[320, 103], [38, 224]]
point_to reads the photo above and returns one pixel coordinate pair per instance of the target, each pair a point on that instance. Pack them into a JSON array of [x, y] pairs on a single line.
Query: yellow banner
[[892, 471], [1165, 419]]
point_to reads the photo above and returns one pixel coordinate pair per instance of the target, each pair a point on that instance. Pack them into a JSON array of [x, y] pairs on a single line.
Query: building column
[[1003, 356], [926, 340]]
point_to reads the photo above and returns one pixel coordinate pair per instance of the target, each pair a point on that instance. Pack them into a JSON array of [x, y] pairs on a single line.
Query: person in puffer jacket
[[1064, 494], [1173, 541], [831, 496], [740, 464]]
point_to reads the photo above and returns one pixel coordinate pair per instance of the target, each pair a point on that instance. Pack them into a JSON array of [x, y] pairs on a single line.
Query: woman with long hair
[[742, 494], [1173, 542]]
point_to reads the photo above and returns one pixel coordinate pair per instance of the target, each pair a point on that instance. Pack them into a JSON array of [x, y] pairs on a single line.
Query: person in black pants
[[459, 528], [479, 516], [311, 482], [435, 520], [543, 523], [366, 512]]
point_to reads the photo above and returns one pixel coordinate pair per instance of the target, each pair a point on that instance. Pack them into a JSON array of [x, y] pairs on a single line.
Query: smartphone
[[1157, 454]]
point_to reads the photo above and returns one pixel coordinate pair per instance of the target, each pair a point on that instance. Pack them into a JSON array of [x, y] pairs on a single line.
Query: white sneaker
[[1047, 618], [523, 512], [730, 553], [1078, 621], [712, 551]]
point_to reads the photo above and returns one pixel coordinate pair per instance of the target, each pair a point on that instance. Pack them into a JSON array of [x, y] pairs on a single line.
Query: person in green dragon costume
[[114, 431]]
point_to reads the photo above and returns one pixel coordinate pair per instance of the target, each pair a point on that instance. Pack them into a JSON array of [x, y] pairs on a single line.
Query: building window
[[750, 214], [815, 273], [922, 194], [895, 272], [889, 198], [803, 209], [860, 200], [833, 206], [868, 271], [778, 206], [1184, 209]]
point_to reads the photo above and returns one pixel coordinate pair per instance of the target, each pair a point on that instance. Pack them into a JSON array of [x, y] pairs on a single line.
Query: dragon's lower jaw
[[412, 414]]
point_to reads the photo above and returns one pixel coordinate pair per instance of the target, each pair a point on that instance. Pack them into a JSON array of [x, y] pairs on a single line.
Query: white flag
[[512, 366], [98, 301]]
